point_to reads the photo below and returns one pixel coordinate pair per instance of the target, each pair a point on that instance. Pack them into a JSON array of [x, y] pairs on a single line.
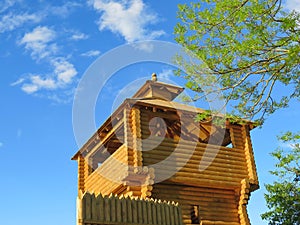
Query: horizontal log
[[200, 182], [165, 185], [193, 165], [192, 195], [195, 152], [169, 148], [205, 203], [194, 172], [150, 159], [146, 115], [213, 222], [188, 145], [212, 177]]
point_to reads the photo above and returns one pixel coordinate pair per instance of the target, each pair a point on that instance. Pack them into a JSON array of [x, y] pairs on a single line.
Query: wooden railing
[[109, 175], [114, 210]]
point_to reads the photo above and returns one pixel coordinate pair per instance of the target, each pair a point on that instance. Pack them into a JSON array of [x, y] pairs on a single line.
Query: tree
[[283, 197], [250, 48]]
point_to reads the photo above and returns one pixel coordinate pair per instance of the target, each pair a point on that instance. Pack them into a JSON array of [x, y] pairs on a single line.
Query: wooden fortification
[[152, 163]]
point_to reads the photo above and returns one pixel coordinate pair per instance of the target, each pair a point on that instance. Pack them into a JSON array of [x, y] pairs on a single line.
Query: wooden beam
[[105, 139]]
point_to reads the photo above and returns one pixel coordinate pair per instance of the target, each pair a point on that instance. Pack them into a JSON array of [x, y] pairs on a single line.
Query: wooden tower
[[152, 148]]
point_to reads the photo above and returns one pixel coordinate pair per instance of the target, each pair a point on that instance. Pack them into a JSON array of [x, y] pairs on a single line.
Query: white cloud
[[129, 18], [91, 53], [63, 74], [144, 46], [39, 34], [63, 10], [19, 81], [64, 71], [79, 36], [37, 82], [38, 41], [12, 21], [1, 144], [293, 5], [30, 88], [41, 44], [165, 74]]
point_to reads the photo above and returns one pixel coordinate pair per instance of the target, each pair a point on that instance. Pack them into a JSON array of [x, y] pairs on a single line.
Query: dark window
[[195, 217]]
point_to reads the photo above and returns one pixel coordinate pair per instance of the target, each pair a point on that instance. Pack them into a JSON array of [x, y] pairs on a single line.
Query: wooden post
[[128, 135], [249, 156], [81, 174], [137, 136], [244, 196], [79, 206]]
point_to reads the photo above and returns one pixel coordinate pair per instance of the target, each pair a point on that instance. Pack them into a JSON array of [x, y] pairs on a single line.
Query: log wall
[[214, 204], [228, 165], [219, 189]]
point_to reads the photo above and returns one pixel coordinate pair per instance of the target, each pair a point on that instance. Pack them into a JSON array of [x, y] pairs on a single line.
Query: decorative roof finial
[[154, 77]]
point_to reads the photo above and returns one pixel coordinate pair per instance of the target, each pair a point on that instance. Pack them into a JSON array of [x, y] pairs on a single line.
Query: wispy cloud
[[6, 4], [38, 42], [292, 5], [41, 43], [128, 18], [12, 21], [63, 10], [64, 70], [36, 82], [79, 36], [165, 74], [1, 144], [91, 53], [63, 74], [19, 81]]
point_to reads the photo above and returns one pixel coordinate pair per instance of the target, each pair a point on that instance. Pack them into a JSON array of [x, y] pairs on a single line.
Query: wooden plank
[[144, 212], [154, 212], [129, 210], [88, 210], [135, 212], [140, 211], [113, 209], [158, 212], [119, 210], [106, 209], [94, 207], [149, 212], [124, 210], [101, 206]]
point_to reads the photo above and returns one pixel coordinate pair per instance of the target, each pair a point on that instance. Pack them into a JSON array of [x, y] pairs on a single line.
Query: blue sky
[[46, 47]]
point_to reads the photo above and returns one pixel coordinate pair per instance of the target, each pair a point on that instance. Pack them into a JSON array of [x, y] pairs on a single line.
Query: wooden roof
[[158, 90]]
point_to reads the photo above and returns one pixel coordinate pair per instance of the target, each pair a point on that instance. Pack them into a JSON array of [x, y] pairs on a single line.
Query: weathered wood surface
[[221, 190], [227, 166], [109, 175], [243, 201], [98, 209], [215, 204]]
